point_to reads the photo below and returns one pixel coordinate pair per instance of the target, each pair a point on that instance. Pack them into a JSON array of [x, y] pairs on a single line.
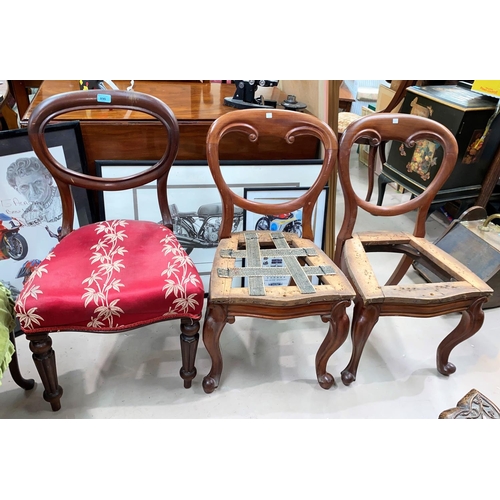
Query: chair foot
[[326, 381], [347, 377], [189, 346], [45, 362], [210, 384], [54, 399], [447, 369], [187, 377]]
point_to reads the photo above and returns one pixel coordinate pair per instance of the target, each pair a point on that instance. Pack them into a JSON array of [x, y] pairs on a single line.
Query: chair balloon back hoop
[[315, 285], [115, 275], [460, 291]]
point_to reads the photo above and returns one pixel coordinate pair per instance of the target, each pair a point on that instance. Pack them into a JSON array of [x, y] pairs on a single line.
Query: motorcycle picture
[[27, 269], [12, 244], [200, 229], [288, 223]]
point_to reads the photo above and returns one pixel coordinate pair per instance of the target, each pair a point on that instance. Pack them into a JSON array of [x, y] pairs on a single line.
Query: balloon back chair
[[327, 295], [460, 291], [114, 275]]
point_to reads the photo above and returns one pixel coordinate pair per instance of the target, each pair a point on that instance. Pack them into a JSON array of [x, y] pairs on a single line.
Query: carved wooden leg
[[371, 171], [45, 362], [471, 322], [189, 346], [364, 319], [383, 180], [337, 333], [25, 384], [215, 320]]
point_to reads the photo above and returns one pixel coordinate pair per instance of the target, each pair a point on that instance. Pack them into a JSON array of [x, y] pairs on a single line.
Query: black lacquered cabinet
[[466, 114]]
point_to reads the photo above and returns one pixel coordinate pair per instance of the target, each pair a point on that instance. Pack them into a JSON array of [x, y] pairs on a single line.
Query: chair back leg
[[26, 384]]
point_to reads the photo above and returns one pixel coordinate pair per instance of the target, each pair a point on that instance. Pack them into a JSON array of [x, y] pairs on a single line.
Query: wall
[[311, 92]]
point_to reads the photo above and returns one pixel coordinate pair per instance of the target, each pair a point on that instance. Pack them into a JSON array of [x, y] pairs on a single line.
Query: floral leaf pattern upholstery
[[122, 257]]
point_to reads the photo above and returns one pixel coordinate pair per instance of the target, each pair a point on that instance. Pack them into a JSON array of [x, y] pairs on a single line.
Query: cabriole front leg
[[471, 322], [337, 333], [364, 319], [189, 346], [215, 320], [45, 362]]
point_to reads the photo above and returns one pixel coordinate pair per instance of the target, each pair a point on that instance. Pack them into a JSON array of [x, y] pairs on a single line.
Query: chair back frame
[[287, 125], [380, 128], [103, 99]]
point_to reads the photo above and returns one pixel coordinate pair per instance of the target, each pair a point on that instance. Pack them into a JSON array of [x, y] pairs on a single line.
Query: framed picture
[[291, 222], [194, 199], [30, 203]]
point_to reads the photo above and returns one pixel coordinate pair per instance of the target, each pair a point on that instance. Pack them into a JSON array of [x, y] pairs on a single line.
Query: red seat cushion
[[111, 276]]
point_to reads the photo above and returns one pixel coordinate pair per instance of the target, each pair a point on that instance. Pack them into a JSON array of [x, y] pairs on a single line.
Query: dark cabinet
[[467, 114]]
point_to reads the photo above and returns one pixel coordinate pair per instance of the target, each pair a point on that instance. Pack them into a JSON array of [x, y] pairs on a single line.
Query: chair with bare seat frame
[[460, 291], [303, 259]]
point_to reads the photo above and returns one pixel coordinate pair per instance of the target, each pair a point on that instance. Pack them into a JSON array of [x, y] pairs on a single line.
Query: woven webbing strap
[[255, 272]]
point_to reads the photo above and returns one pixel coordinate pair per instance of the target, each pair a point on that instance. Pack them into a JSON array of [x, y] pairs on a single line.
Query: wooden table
[[196, 105]]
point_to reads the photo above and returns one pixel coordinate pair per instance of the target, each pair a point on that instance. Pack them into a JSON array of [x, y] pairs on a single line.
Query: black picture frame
[[65, 141], [282, 194], [287, 222], [69, 136]]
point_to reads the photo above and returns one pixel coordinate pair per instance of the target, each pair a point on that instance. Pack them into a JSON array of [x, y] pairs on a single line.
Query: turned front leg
[[45, 362], [189, 346]]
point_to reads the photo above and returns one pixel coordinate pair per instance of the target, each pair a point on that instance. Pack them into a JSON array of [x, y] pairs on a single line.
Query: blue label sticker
[[103, 98]]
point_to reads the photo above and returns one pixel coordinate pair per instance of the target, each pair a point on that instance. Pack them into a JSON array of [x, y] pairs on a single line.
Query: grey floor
[[268, 366]]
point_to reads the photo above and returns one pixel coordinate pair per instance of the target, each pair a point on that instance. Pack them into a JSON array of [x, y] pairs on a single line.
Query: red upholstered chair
[[460, 290], [115, 275]]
